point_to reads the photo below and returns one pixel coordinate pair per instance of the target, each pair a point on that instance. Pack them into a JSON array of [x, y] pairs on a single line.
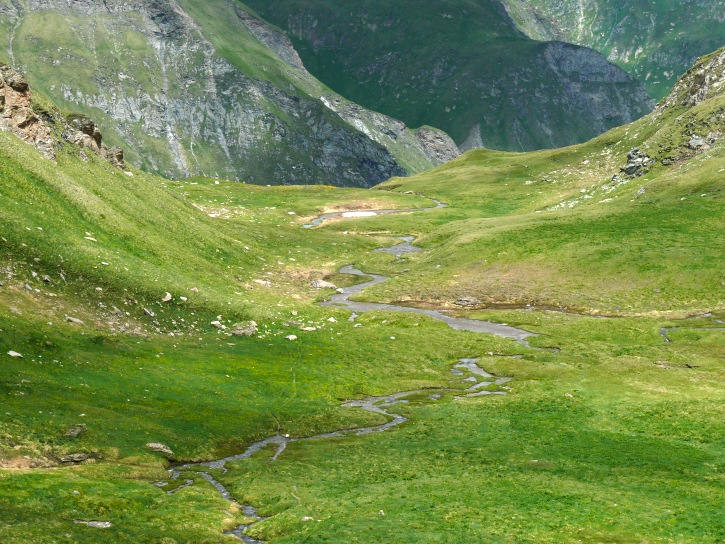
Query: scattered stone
[[117, 311], [307, 518], [15, 354], [308, 329], [74, 320], [149, 312], [332, 320], [696, 142], [75, 457], [194, 290], [467, 302], [245, 328], [46, 279], [95, 524], [322, 284], [167, 297], [291, 337], [263, 283], [76, 430], [219, 325], [638, 163], [158, 447]]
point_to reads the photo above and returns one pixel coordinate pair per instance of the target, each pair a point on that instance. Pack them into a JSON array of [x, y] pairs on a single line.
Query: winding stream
[[372, 404], [482, 382], [458, 323]]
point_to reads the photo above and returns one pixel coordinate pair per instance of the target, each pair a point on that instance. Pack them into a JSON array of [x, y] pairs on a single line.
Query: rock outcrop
[[17, 115], [84, 133]]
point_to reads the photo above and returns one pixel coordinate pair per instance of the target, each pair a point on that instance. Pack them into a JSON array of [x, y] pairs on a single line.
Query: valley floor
[[124, 303]]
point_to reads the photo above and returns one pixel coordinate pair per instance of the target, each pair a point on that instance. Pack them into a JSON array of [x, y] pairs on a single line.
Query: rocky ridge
[[18, 116], [207, 90]]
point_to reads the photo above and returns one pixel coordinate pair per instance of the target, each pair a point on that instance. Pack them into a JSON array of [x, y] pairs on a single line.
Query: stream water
[[458, 323], [320, 219], [480, 379]]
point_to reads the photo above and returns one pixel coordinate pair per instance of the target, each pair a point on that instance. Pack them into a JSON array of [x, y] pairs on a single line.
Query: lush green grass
[[612, 439], [609, 433]]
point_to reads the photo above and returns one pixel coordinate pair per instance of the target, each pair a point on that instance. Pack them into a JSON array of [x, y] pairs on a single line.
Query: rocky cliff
[[19, 116], [194, 88], [460, 66]]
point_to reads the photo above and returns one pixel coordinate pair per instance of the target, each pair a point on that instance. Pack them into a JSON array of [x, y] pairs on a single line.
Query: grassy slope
[[551, 229], [614, 436]]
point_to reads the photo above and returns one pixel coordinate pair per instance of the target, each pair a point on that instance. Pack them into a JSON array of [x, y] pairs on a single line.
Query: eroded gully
[[481, 382]]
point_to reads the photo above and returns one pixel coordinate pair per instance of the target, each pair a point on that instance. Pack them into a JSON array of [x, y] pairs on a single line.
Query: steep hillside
[[189, 89], [460, 66], [654, 41], [627, 223]]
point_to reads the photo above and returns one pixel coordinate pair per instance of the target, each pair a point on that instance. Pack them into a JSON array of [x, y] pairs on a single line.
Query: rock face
[[206, 89], [17, 115], [705, 79], [83, 132], [460, 66]]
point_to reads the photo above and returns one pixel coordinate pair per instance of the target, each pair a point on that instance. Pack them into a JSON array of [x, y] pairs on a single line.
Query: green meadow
[[610, 430]]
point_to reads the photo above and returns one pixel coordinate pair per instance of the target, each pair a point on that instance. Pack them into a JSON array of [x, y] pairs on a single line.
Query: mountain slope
[[629, 222], [460, 66], [654, 41], [189, 88]]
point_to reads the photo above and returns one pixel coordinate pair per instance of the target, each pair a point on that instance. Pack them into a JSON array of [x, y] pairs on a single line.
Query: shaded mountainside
[[189, 88], [654, 41], [460, 66]]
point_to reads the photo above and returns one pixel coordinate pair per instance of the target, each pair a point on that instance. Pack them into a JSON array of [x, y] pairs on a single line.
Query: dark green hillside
[[462, 67], [654, 41]]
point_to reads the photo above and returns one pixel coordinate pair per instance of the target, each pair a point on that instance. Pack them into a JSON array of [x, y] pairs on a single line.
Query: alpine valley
[[204, 340]]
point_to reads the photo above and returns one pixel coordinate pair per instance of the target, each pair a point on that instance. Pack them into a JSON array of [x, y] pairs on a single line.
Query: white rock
[[167, 297], [291, 337], [322, 284], [332, 320], [95, 524], [74, 320], [15, 354]]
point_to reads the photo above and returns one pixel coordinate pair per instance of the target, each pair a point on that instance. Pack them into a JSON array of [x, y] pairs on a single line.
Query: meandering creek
[[482, 382]]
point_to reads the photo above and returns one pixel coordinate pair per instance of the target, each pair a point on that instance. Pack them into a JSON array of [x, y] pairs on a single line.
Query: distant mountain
[[461, 66], [189, 88], [654, 41]]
